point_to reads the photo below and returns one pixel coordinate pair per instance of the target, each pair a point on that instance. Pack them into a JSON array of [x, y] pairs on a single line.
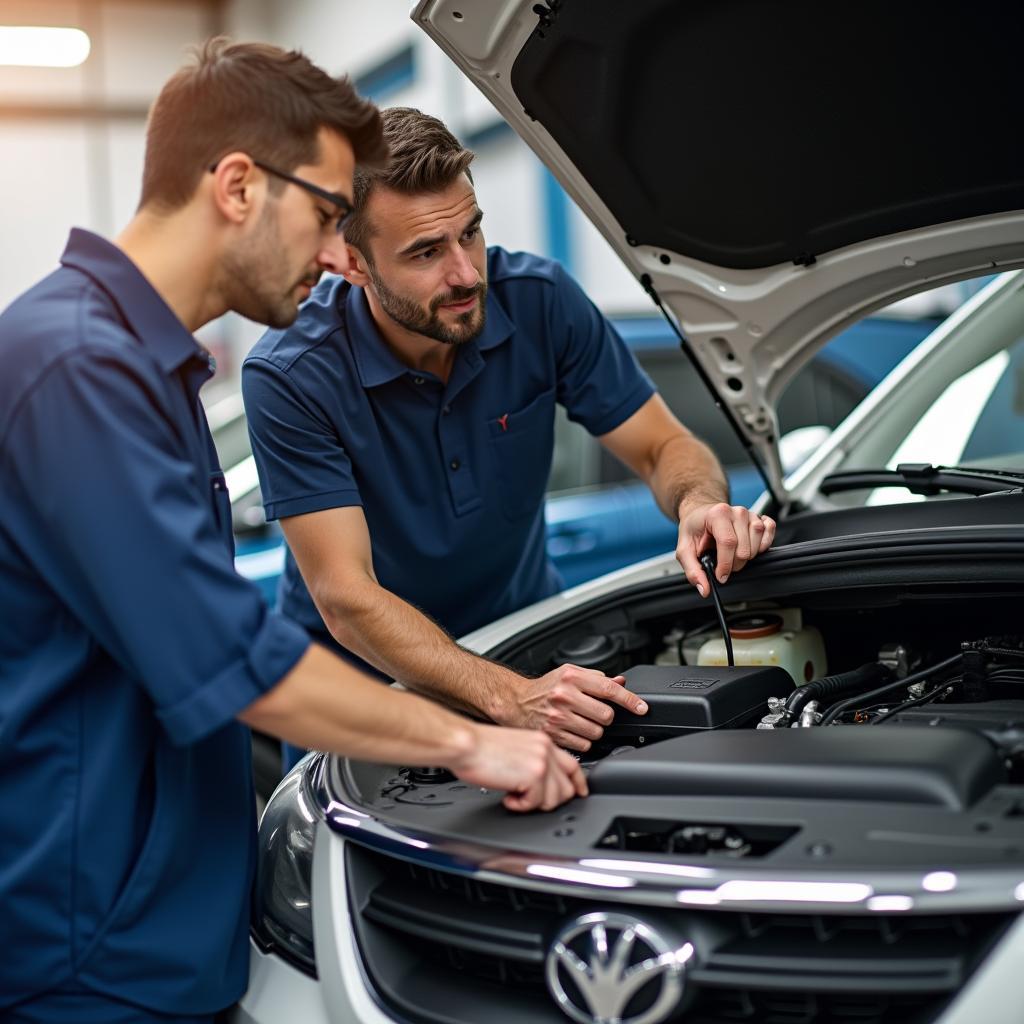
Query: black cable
[[923, 699], [708, 561], [844, 705], [1001, 652]]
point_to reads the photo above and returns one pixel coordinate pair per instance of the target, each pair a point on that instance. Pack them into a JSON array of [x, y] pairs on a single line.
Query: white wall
[[357, 35], [44, 192], [61, 168], [339, 35], [144, 43], [599, 269], [58, 171], [508, 189]]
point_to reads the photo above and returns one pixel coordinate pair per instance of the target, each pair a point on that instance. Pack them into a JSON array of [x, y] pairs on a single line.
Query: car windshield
[[958, 400]]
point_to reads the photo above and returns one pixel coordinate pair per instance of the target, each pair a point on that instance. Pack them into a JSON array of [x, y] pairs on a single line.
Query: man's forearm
[[401, 641], [363, 720], [686, 471], [359, 718]]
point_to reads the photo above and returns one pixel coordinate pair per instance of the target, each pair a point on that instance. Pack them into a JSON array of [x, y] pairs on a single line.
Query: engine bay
[[912, 660], [881, 726]]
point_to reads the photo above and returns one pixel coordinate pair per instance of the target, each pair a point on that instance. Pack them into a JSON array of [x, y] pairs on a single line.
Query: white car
[[830, 830]]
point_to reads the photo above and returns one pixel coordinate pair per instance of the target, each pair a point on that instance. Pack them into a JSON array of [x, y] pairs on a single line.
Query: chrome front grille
[[443, 948]]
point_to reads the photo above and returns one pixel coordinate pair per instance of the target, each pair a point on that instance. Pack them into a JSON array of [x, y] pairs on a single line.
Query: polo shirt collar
[[498, 327], [377, 364], [150, 319]]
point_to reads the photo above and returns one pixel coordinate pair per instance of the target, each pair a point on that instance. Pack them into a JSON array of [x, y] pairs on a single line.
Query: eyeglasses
[[344, 207]]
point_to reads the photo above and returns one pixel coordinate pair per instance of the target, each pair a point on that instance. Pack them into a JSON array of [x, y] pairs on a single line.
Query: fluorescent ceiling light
[[32, 46]]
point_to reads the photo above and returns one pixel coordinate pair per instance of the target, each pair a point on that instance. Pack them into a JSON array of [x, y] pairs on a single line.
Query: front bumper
[[279, 993], [342, 994]]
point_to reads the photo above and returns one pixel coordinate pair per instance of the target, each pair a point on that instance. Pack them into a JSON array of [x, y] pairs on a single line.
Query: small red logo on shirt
[[503, 420]]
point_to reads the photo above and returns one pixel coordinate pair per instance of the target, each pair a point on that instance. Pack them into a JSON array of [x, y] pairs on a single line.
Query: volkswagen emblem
[[602, 966]]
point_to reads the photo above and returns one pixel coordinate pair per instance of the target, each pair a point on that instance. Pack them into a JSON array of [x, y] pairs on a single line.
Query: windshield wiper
[[924, 478]]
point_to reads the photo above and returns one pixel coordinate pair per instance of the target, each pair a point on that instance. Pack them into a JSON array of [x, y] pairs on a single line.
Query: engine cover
[[916, 765], [685, 698]]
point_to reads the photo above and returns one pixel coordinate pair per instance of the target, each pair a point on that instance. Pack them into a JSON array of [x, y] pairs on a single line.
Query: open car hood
[[772, 171]]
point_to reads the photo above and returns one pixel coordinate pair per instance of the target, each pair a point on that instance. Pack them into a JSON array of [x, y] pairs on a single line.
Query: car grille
[[442, 948]]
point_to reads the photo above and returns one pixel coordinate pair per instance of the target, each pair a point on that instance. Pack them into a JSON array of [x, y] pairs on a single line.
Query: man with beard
[[132, 655], [403, 431]]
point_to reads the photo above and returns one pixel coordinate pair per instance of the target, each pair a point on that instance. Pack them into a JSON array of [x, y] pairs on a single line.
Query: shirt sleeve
[[121, 527], [302, 464], [600, 383]]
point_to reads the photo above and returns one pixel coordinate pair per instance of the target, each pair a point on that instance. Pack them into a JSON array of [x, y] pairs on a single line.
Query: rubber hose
[[865, 677]]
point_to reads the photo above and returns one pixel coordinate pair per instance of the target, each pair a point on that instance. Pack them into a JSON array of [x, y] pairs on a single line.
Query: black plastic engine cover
[[688, 698], [919, 765]]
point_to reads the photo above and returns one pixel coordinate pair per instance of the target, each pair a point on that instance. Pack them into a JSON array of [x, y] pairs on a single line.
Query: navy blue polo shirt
[[451, 477], [128, 644]]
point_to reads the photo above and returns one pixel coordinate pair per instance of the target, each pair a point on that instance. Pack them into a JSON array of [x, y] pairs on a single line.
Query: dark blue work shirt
[[128, 644], [451, 477]]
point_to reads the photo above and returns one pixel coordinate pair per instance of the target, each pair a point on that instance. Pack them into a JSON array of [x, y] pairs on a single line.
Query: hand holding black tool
[[707, 560]]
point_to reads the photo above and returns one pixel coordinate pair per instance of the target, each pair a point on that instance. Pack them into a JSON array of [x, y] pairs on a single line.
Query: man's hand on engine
[[570, 704]]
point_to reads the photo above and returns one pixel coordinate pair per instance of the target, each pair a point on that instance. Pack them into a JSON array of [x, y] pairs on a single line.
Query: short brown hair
[[255, 98], [425, 157]]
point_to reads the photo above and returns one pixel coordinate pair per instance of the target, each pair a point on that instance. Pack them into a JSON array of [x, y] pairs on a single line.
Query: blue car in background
[[599, 517]]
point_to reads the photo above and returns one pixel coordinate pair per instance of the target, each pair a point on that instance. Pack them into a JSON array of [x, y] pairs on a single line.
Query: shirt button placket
[[460, 478], [453, 462]]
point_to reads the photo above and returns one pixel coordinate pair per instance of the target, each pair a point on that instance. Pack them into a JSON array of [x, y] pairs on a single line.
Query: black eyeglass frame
[[347, 209]]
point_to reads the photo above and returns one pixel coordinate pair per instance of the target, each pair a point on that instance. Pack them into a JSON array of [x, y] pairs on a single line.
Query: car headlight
[[282, 905]]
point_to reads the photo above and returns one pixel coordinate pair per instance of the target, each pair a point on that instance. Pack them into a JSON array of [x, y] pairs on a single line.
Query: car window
[[823, 392], [576, 460], [961, 404]]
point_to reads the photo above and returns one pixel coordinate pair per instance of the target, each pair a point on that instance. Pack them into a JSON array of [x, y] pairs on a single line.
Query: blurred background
[[72, 137], [73, 107]]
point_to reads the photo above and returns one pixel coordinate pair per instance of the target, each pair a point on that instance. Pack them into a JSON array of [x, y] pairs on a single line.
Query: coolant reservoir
[[770, 638]]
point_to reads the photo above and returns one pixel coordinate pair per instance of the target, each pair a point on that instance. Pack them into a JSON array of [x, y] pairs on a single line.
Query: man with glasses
[[131, 653], [340, 204], [403, 431]]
